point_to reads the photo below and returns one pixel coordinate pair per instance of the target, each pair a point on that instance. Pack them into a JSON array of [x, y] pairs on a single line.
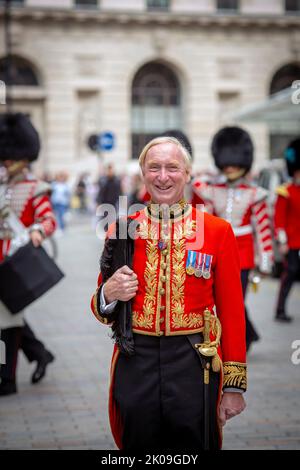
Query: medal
[[164, 236], [199, 262], [206, 274], [207, 267], [190, 263], [190, 270], [162, 245]]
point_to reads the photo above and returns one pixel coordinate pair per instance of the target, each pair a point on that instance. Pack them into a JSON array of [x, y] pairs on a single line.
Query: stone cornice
[[153, 18]]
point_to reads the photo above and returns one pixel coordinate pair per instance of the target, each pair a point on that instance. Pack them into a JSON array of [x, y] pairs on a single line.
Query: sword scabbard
[[206, 373]]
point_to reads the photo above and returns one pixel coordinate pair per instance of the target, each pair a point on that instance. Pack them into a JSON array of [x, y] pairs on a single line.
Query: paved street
[[68, 409]]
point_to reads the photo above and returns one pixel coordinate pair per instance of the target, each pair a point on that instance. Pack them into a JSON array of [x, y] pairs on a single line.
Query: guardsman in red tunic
[[232, 197], [187, 372], [287, 227], [28, 199]]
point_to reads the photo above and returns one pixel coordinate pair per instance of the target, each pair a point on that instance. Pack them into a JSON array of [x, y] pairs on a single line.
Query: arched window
[[282, 79], [156, 104], [21, 72]]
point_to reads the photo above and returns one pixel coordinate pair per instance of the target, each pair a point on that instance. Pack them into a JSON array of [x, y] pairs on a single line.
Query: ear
[[188, 176]]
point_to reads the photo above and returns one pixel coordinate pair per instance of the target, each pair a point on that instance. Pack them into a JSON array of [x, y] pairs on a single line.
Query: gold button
[[162, 307], [161, 320], [162, 291], [163, 278], [163, 265], [165, 252]]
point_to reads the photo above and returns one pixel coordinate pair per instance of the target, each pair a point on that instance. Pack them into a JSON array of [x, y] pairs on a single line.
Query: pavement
[[68, 408]]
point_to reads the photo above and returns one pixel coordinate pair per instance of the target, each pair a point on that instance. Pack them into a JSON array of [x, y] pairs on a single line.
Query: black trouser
[[289, 275], [15, 339], [33, 349], [159, 392], [12, 340], [251, 332]]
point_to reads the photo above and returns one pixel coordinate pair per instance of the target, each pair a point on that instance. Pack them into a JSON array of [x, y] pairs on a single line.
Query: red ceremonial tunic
[[287, 215], [29, 200], [170, 302], [244, 206]]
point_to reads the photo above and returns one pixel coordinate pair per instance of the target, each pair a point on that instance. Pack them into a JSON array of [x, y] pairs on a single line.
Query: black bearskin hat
[[232, 146], [19, 140], [183, 139], [292, 156]]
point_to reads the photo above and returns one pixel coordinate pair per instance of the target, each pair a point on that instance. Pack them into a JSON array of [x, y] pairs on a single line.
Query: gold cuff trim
[[96, 311], [235, 375]]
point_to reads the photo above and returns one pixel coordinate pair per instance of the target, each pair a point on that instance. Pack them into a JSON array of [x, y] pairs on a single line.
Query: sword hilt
[[208, 348]]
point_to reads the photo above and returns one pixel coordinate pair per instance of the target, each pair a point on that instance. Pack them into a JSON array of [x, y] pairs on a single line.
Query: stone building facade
[[138, 67]]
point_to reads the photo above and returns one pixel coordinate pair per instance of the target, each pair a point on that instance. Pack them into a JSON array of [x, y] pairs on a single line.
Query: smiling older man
[[185, 378]]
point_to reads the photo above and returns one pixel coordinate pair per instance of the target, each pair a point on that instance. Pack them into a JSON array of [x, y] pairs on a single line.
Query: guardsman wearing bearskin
[[287, 227], [242, 203], [28, 199], [177, 313]]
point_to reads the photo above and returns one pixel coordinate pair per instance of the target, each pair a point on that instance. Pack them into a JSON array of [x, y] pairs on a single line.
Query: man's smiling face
[[165, 173]]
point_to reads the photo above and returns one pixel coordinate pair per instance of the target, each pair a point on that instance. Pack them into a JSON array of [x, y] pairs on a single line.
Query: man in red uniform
[[240, 202], [28, 200], [183, 284], [287, 227]]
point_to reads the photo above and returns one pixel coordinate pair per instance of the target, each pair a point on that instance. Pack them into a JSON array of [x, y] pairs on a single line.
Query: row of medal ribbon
[[198, 264]]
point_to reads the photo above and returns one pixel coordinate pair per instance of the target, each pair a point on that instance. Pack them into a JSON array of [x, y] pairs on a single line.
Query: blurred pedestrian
[[287, 228], [242, 203], [109, 188], [26, 200], [81, 192], [60, 198]]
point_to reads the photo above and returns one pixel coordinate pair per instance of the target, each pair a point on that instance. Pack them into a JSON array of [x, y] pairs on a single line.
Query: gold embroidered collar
[[163, 211]]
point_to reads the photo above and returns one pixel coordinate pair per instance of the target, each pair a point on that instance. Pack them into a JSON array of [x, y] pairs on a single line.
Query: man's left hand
[[232, 404], [36, 238]]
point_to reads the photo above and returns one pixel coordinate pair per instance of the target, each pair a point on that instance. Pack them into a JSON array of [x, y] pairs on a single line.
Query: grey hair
[[164, 140]]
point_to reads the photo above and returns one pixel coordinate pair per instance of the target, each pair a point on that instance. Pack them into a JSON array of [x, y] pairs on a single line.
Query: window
[[155, 85], [156, 104], [284, 77], [281, 80], [231, 5], [21, 72], [86, 3], [292, 6], [13, 2], [158, 4]]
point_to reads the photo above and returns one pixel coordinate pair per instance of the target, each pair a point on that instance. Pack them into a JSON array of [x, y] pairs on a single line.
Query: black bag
[[27, 275]]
